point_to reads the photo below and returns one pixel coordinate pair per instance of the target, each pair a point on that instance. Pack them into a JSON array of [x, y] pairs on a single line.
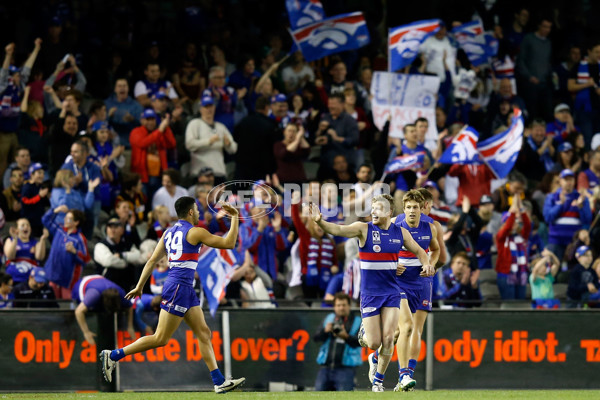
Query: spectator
[[85, 173], [34, 198], [474, 181], [562, 125], [62, 136], [566, 159], [565, 210], [297, 73], [159, 275], [225, 98], [125, 213], [263, 238], [206, 138], [459, 284], [290, 154], [549, 184], [116, 257], [95, 293], [206, 178], [22, 252], [123, 111], [63, 193], [584, 81], [515, 32], [438, 50], [583, 280], [170, 191], [218, 59], [536, 156], [22, 162], [132, 192], [110, 155], [280, 111], [590, 178], [543, 275], [245, 76], [338, 74], [256, 286], [511, 242], [159, 219], [505, 93], [534, 70], [338, 363], [6, 291], [422, 126], [33, 128], [12, 87], [144, 89], [515, 186], [10, 199], [337, 133], [58, 79], [580, 238], [189, 80], [68, 253], [316, 251], [254, 135], [146, 303], [440, 211], [149, 146], [363, 87], [34, 288], [564, 71], [71, 104]]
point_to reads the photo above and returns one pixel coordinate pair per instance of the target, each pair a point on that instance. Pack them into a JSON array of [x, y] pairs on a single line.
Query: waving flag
[[304, 12], [463, 149], [215, 268], [403, 163], [332, 35], [404, 41], [500, 152], [479, 46]]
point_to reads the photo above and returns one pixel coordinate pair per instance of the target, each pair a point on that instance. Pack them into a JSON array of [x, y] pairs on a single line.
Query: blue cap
[[431, 184], [565, 173], [581, 250], [280, 98], [159, 96], [34, 167], [99, 125], [207, 101], [13, 69], [148, 113], [565, 146], [39, 274]]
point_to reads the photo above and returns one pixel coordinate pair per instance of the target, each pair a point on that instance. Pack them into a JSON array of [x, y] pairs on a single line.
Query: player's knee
[[205, 335], [160, 339], [406, 327], [388, 340], [373, 344]]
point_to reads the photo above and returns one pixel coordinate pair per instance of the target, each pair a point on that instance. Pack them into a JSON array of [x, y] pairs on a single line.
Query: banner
[[333, 35], [304, 12], [404, 98], [404, 42], [463, 148], [500, 152]]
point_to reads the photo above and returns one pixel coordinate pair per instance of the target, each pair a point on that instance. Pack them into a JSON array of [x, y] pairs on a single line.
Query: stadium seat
[[489, 291], [560, 291], [310, 169], [488, 275]]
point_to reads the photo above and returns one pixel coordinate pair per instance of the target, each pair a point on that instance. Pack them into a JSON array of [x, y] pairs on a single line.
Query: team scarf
[[319, 262], [518, 265]]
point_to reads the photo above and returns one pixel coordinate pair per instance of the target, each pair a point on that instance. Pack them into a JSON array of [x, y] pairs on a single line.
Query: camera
[[337, 326]]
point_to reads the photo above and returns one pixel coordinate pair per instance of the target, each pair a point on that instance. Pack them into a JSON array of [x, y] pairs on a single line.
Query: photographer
[[340, 353]]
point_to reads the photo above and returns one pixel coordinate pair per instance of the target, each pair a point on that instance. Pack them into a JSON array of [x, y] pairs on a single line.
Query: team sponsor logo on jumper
[[425, 303], [376, 237], [376, 248], [395, 241]]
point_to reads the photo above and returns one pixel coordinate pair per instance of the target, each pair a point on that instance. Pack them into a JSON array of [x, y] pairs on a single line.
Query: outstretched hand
[[230, 209], [314, 212], [134, 293]]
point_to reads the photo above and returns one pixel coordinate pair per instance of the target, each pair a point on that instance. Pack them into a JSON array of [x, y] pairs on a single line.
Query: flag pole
[[389, 54]]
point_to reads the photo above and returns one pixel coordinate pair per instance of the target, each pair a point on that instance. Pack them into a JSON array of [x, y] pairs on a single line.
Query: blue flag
[[304, 12], [215, 268], [404, 163], [463, 149], [404, 41], [500, 152], [332, 35], [479, 46]]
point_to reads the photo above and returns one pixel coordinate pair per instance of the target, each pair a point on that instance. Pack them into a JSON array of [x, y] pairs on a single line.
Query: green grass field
[[433, 395]]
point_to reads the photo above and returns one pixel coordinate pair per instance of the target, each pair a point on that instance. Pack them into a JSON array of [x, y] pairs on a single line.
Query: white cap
[[596, 141]]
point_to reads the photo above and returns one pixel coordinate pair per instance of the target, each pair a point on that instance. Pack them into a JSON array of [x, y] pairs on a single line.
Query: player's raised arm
[[201, 235], [413, 247], [354, 230], [159, 252], [434, 246]]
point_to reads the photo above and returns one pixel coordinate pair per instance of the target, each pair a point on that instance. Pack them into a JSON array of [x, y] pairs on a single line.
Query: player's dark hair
[[426, 194], [183, 205], [413, 195], [111, 300], [5, 278]]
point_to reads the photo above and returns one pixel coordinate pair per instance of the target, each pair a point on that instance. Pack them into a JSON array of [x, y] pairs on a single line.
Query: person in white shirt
[[169, 192], [436, 48], [144, 89], [296, 75], [206, 139]]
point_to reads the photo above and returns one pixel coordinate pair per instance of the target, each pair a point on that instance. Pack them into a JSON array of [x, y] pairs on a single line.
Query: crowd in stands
[[104, 124]]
